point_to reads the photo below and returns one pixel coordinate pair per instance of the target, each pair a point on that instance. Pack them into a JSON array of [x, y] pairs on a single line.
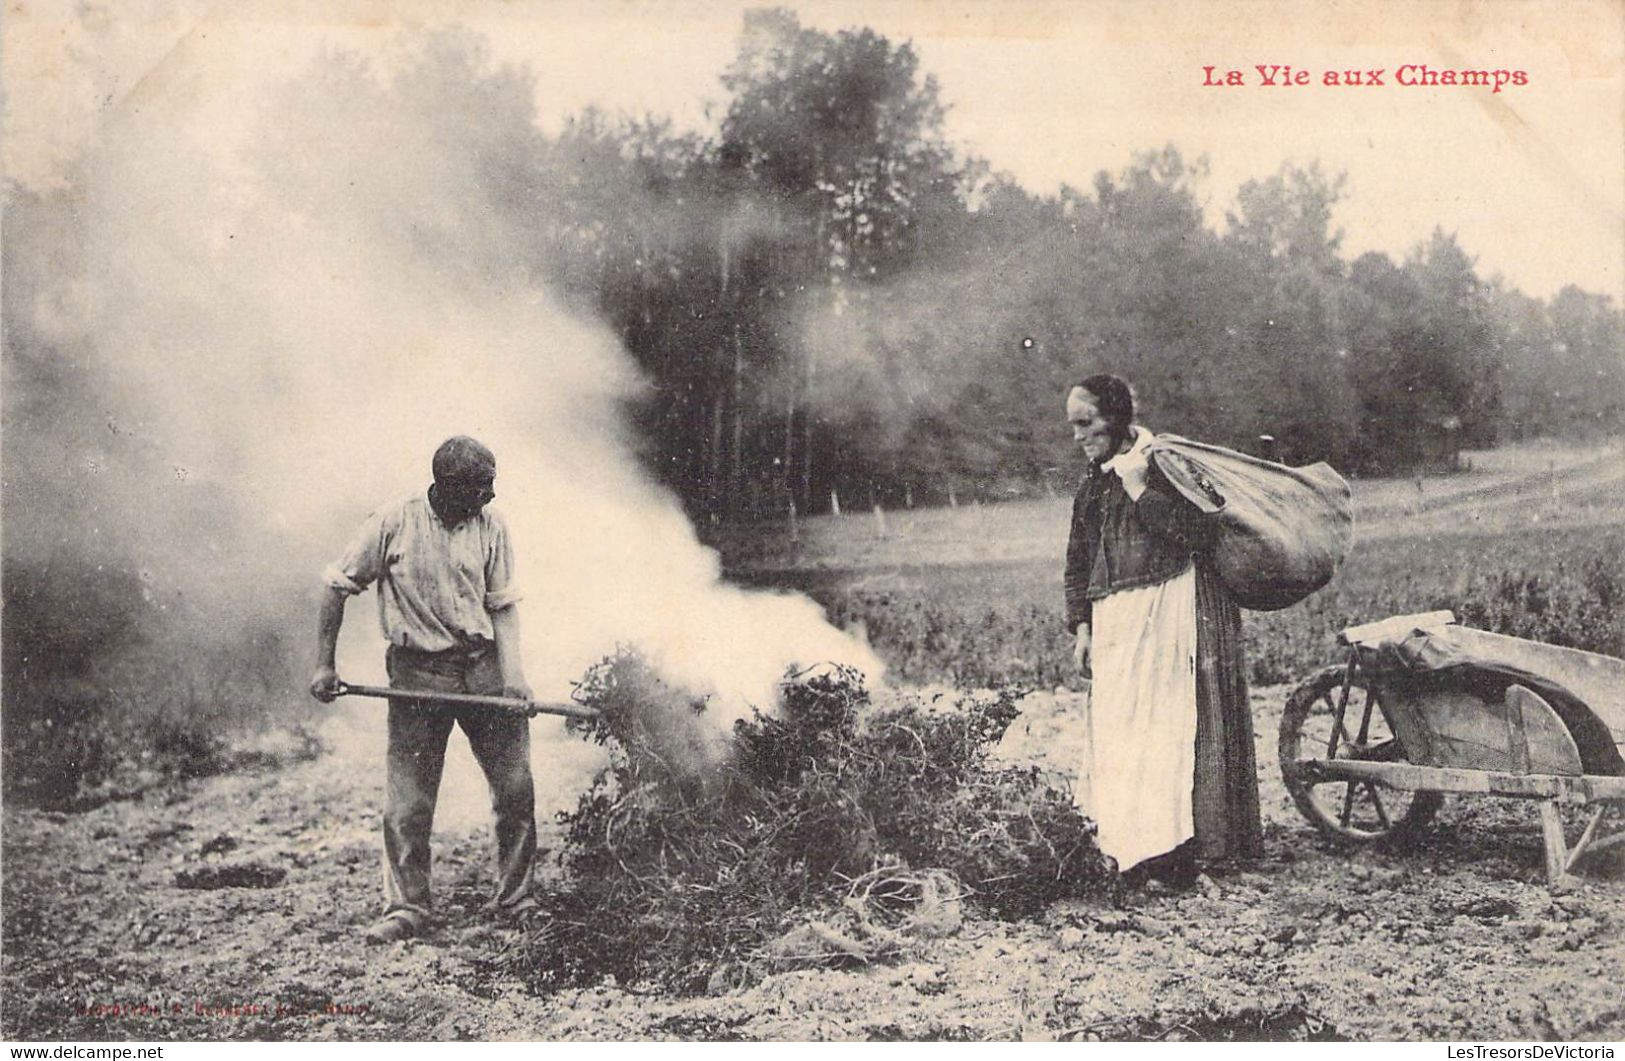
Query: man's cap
[[463, 458]]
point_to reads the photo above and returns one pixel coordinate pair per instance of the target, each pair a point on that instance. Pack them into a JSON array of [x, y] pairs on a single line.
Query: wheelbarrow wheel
[[1356, 812]]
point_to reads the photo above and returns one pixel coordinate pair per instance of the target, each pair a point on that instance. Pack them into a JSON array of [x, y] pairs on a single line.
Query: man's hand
[[517, 688], [324, 686], [1081, 649]]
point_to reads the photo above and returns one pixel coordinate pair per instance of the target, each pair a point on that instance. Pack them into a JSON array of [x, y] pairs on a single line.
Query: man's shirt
[[437, 585]]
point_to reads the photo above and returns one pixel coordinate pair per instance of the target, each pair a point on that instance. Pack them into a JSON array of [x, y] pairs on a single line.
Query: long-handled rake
[[528, 708]]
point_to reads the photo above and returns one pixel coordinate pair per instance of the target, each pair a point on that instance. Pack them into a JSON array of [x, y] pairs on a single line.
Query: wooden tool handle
[[527, 708]]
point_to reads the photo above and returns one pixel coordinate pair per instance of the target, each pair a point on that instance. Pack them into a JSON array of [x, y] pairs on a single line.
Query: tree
[[1453, 353], [841, 137], [1534, 368], [1295, 362], [1287, 218], [1586, 370]]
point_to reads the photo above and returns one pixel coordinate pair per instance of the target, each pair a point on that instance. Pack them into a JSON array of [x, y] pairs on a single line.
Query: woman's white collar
[[1136, 451]]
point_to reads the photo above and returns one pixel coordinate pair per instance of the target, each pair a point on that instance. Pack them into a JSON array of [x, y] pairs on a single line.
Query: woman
[[1168, 772]]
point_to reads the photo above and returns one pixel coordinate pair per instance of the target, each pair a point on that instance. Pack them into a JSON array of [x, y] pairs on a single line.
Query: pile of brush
[[831, 832]]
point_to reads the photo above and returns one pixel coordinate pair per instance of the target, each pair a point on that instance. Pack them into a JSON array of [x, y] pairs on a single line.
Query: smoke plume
[[285, 325]]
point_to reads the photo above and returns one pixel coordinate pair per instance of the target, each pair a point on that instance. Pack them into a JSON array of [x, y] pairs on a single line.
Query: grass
[[994, 624], [973, 596]]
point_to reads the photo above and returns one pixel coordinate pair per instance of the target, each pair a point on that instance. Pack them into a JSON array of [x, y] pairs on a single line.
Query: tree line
[[831, 304]]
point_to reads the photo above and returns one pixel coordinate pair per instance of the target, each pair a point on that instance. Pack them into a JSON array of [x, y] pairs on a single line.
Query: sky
[[1531, 178]]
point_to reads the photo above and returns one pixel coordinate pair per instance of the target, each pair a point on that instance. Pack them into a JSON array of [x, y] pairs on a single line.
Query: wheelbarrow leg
[[1582, 846], [1557, 856]]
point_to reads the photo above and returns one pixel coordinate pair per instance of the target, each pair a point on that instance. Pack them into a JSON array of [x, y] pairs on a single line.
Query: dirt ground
[[229, 908]]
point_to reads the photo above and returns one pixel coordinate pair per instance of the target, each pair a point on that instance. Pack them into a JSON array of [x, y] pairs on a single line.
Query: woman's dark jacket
[[1119, 543]]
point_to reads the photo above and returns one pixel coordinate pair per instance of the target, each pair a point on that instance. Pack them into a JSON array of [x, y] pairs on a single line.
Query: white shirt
[[437, 585]]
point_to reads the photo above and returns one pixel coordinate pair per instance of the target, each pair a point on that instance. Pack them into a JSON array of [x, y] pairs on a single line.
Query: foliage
[[925, 640], [1562, 594], [103, 698], [821, 330], [807, 285], [833, 303], [845, 129], [1563, 588], [1563, 371], [833, 818], [74, 745]]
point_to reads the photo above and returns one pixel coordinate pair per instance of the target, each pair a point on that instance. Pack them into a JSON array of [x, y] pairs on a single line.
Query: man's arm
[[324, 685], [361, 565], [510, 657], [502, 605]]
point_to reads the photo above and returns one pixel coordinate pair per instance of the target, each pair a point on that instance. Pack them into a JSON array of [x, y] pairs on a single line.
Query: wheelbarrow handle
[[528, 708]]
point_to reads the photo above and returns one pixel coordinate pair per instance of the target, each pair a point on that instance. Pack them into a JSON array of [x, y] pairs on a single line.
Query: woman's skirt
[[1169, 739], [1225, 788]]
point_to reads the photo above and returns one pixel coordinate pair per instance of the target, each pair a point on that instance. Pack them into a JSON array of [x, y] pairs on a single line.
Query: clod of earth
[[238, 875], [220, 845]]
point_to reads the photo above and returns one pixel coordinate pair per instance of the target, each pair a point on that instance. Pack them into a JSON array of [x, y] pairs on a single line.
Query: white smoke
[[300, 316]]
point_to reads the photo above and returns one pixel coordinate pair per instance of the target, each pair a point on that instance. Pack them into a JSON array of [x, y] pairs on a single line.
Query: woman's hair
[[1115, 400]]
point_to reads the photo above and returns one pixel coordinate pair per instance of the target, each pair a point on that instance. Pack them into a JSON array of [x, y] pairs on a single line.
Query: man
[[443, 564]]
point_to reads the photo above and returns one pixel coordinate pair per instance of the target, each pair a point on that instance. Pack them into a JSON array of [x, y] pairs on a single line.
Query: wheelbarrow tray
[[1410, 647], [1485, 714]]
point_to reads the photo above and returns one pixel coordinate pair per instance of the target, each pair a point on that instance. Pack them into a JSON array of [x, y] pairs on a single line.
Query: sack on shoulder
[[1283, 531]]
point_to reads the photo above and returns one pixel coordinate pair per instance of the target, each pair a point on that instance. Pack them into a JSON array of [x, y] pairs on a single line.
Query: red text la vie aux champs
[[1410, 75]]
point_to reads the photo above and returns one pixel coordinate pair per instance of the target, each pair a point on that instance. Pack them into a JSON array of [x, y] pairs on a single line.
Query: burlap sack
[[1282, 531]]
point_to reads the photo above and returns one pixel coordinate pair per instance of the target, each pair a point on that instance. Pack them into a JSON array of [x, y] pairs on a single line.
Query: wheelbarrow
[[1423, 707]]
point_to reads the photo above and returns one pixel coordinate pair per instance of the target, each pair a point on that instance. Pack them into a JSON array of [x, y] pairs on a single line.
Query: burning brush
[[833, 831]]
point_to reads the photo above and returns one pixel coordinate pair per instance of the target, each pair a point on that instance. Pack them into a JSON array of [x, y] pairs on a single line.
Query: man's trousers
[[418, 731]]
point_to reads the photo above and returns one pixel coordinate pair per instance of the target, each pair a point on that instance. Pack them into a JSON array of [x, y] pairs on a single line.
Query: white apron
[[1139, 758]]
